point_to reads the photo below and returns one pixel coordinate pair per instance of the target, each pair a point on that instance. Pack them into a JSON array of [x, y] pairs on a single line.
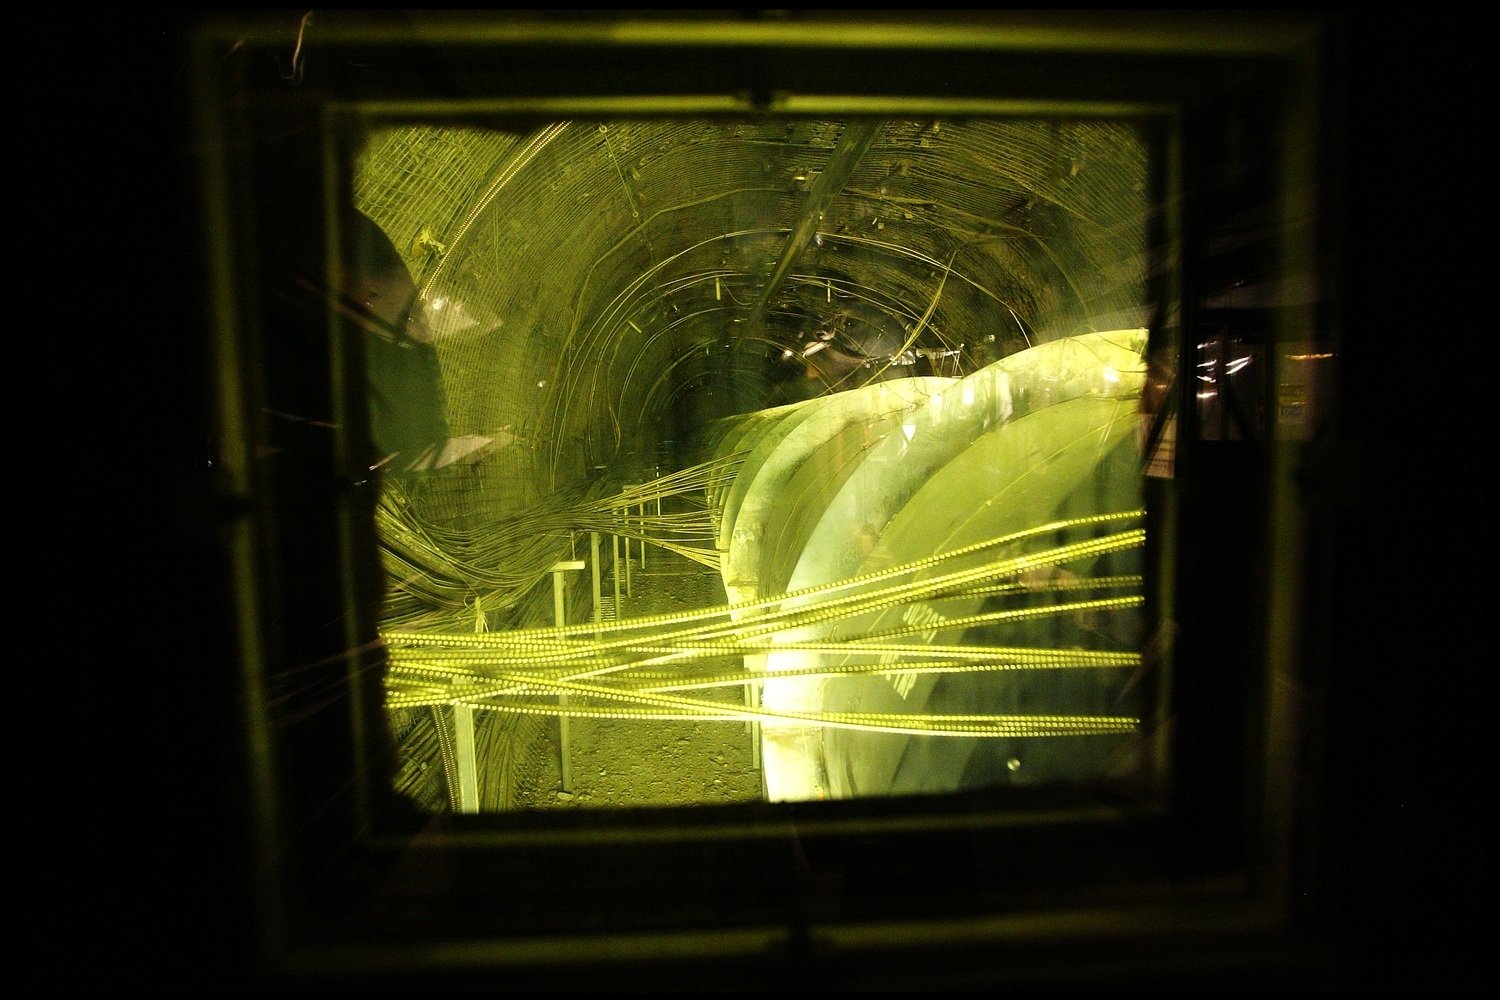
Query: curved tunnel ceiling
[[595, 288]]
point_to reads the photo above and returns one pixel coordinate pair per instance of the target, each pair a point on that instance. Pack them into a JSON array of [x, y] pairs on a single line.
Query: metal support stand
[[559, 617], [463, 749], [596, 572], [614, 544], [463, 736], [752, 701], [626, 512]]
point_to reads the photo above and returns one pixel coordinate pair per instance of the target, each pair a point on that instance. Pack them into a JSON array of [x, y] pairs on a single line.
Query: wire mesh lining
[[419, 181], [580, 279], [547, 355]]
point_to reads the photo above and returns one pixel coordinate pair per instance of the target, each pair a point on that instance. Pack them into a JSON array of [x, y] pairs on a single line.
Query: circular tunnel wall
[[608, 300], [592, 287]]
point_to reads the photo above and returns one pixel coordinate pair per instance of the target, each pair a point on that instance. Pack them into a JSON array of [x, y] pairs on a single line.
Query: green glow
[[508, 671], [663, 240]]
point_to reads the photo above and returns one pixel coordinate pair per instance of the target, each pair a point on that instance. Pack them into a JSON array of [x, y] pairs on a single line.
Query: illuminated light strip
[[475, 659], [855, 646], [801, 617], [558, 638], [677, 682], [876, 601], [787, 618], [716, 652], [626, 624], [426, 543], [1109, 657], [863, 602], [417, 676], [976, 730], [920, 724], [950, 581], [858, 604], [428, 693], [856, 669], [485, 687], [537, 650], [504, 657]]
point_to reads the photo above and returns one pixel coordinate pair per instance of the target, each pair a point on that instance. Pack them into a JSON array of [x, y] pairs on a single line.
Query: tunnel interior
[[665, 406]]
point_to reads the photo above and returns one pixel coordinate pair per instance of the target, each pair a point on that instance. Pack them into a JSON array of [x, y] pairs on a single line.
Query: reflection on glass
[[768, 458]]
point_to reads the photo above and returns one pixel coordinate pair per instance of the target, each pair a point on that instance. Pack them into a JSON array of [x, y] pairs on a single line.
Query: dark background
[[129, 814]]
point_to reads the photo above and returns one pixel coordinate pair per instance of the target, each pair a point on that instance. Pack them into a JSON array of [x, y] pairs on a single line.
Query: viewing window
[[761, 457]]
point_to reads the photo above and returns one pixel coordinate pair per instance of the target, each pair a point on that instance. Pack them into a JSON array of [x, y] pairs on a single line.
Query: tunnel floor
[[628, 763]]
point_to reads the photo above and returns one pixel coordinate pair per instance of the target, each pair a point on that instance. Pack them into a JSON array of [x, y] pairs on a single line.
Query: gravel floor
[[624, 763]]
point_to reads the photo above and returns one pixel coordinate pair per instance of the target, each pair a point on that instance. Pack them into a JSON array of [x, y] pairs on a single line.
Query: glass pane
[[741, 459]]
